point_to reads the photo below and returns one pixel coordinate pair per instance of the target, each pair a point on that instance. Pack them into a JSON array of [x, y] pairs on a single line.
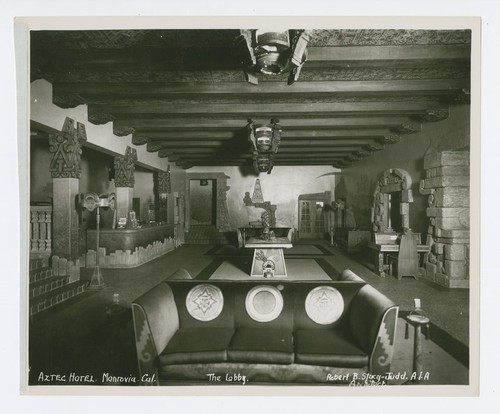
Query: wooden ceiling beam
[[385, 54], [127, 126], [286, 136], [90, 91], [284, 144], [103, 113], [221, 58], [240, 156], [298, 150]]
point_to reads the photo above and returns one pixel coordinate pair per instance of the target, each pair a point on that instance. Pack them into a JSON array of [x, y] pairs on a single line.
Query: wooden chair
[[407, 257]]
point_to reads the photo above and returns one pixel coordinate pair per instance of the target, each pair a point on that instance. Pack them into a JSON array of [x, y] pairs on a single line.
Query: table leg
[[282, 258], [379, 264]]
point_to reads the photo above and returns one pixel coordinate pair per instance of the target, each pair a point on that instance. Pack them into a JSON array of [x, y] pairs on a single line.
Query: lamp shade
[[263, 138]]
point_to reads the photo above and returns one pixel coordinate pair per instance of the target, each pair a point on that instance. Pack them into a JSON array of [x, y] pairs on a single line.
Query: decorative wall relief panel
[[164, 186], [125, 167], [257, 201], [66, 148]]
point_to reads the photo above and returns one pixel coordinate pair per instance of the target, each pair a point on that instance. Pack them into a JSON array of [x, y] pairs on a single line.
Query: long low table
[[382, 250], [268, 257]]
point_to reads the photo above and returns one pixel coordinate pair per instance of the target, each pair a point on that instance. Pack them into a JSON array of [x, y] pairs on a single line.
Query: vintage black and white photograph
[[263, 205]]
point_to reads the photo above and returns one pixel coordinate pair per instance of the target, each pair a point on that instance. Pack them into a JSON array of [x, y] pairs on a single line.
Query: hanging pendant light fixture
[[272, 52], [265, 140]]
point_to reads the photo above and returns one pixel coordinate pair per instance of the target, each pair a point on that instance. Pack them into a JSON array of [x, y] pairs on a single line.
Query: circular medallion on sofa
[[204, 302], [324, 305], [264, 303]]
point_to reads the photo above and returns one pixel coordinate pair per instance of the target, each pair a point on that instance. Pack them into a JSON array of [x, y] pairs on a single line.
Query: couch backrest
[[349, 275], [234, 312], [160, 311], [367, 311]]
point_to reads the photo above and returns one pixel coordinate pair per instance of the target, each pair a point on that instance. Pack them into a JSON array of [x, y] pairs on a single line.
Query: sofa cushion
[[261, 346], [197, 345], [331, 347]]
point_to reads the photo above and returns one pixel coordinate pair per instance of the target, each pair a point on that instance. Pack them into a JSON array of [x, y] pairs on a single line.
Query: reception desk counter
[[129, 247]]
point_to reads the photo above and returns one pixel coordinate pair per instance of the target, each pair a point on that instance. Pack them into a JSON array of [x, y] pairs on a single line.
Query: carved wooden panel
[[125, 167], [66, 148]]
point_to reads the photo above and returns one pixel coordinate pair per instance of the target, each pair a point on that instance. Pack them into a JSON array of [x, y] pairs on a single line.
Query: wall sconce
[[265, 140]]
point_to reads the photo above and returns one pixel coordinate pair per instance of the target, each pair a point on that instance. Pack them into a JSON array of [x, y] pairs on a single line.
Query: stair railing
[[40, 230]]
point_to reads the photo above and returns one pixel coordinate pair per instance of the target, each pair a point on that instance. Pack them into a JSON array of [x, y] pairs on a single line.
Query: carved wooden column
[[164, 189], [65, 170], [447, 187], [124, 181]]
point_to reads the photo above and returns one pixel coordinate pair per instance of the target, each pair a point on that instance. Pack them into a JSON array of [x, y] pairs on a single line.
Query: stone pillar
[[65, 221], [447, 185], [124, 181], [65, 170]]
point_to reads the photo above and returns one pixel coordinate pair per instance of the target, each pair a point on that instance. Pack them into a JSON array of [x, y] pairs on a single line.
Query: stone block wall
[[447, 186]]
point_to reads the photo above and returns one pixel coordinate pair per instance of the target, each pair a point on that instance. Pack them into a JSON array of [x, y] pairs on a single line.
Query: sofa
[[260, 332]]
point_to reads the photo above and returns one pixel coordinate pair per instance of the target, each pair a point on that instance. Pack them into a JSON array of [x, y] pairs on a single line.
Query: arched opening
[[391, 202]]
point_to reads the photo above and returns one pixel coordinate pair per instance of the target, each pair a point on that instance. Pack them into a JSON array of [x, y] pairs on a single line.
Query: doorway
[[202, 201], [312, 215]]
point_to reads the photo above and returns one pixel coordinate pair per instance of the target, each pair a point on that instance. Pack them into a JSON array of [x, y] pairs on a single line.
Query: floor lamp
[[94, 202]]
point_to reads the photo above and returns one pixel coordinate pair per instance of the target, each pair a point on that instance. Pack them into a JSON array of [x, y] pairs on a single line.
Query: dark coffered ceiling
[[182, 93]]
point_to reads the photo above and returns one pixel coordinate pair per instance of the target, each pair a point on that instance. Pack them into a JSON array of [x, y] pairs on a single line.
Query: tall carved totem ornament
[[125, 167], [164, 188], [66, 148], [65, 169], [164, 181]]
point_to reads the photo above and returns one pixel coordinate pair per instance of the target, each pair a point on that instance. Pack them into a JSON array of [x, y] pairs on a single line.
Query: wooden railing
[[41, 230]]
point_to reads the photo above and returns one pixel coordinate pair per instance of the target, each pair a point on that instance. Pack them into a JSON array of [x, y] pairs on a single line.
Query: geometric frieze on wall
[[125, 167], [66, 147]]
